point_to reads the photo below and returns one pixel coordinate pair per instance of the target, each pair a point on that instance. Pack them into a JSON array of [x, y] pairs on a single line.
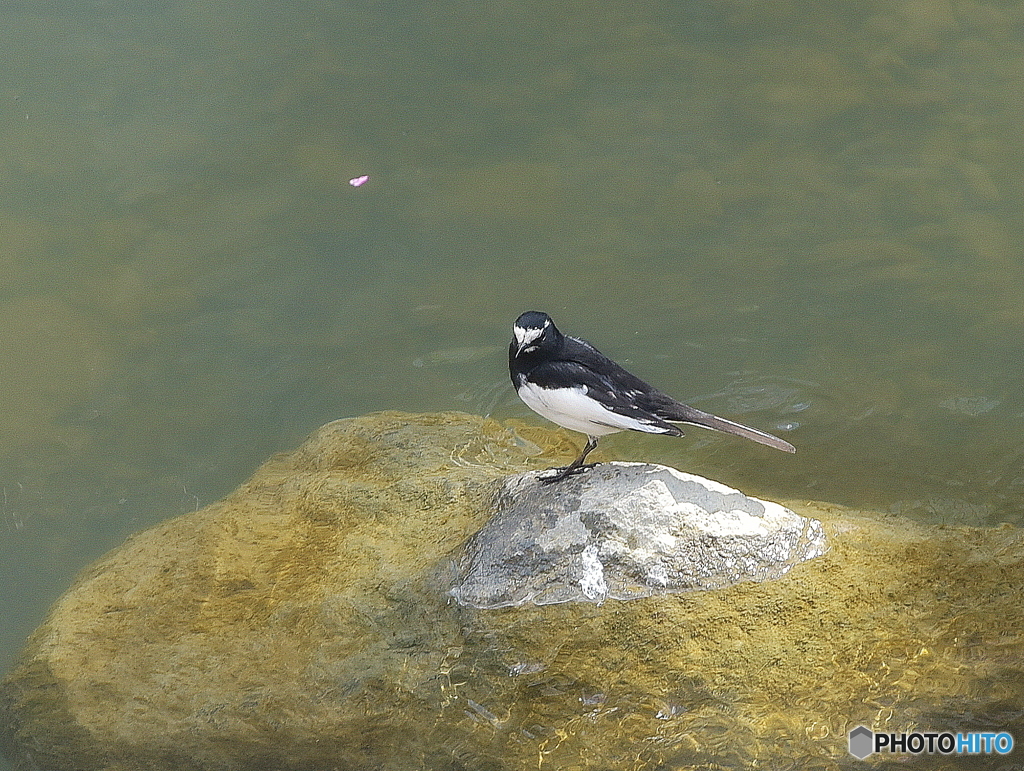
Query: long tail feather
[[685, 414]]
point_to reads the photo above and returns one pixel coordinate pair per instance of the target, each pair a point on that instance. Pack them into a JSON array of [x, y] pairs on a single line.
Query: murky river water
[[806, 218]]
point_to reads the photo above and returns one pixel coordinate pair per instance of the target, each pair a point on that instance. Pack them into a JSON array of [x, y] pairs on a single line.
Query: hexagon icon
[[862, 739]]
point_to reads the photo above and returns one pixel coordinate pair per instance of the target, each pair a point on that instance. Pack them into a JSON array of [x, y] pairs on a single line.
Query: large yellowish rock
[[303, 623]]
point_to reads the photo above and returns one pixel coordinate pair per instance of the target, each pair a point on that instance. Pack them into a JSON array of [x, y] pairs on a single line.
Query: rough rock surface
[[295, 625], [625, 531]]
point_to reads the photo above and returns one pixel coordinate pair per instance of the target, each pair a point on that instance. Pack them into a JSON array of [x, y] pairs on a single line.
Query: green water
[[803, 217]]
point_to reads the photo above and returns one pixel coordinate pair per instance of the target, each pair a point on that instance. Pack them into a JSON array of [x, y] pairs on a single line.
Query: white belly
[[571, 408]]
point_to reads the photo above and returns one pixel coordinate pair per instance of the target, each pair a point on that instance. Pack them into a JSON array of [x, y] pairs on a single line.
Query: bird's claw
[[565, 471]]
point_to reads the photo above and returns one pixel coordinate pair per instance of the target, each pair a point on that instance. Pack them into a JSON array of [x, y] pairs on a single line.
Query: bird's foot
[[565, 471]]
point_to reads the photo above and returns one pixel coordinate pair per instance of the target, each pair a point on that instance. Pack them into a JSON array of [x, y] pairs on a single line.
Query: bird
[[571, 383]]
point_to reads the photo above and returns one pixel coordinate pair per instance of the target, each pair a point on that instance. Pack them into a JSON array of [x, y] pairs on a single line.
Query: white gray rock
[[624, 531]]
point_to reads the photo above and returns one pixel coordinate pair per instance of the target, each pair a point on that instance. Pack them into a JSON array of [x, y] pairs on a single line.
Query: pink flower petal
[[357, 181]]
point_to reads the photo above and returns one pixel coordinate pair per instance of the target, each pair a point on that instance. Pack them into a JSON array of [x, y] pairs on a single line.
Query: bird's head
[[534, 331]]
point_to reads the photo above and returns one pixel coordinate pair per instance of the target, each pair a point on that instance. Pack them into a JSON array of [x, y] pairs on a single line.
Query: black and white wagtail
[[571, 383]]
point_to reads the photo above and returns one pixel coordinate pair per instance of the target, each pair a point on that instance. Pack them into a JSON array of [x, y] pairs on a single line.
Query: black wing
[[648, 400], [601, 388], [583, 353]]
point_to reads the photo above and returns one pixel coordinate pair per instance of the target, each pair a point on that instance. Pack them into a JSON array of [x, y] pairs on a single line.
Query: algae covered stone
[[230, 637], [303, 623]]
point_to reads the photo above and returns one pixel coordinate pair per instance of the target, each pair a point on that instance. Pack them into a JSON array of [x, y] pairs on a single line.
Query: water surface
[[803, 217]]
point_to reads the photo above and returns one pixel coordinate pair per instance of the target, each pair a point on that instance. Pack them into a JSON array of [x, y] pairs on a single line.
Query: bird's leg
[[577, 466]]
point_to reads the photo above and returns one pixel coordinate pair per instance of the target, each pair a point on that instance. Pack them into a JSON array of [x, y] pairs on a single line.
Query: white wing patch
[[574, 409]]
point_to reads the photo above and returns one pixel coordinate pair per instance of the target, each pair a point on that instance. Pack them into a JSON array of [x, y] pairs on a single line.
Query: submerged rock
[[298, 624], [625, 531]]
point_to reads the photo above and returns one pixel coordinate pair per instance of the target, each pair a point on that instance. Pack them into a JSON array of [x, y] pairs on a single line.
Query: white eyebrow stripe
[[526, 336]]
